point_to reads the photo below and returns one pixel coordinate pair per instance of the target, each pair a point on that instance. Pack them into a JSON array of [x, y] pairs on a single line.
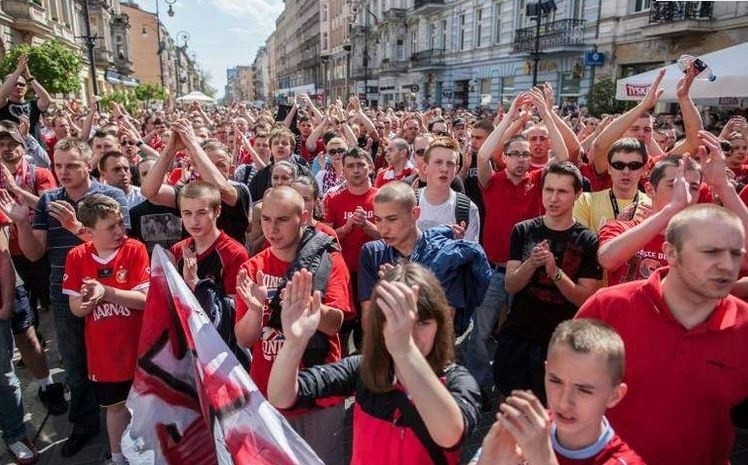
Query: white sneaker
[[22, 452]]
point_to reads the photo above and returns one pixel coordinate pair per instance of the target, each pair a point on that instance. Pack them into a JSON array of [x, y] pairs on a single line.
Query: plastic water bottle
[[705, 72]]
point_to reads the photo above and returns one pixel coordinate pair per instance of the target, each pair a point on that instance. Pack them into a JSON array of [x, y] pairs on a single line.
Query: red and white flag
[[192, 403]]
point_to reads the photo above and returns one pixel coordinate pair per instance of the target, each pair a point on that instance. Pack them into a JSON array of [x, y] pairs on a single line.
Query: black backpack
[[313, 254]]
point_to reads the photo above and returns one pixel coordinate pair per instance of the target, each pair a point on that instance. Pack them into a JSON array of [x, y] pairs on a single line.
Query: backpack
[[220, 309], [462, 207], [313, 254]]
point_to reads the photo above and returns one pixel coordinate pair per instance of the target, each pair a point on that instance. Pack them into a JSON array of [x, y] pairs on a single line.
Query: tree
[[149, 92], [206, 88], [54, 65], [602, 99], [123, 97]]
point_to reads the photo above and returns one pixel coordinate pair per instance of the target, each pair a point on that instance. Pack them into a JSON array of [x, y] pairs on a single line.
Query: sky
[[223, 33]]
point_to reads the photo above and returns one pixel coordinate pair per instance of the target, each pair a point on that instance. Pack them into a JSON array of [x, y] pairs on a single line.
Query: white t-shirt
[[444, 214]]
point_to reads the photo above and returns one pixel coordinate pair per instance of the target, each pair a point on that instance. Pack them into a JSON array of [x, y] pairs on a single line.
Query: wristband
[[30, 79], [557, 277], [139, 143]]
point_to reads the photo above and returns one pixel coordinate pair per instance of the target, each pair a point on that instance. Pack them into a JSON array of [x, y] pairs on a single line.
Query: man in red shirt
[[686, 340], [397, 154], [259, 284]]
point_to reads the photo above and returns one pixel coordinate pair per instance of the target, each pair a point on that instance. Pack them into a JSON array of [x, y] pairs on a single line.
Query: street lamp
[[90, 45], [160, 50], [536, 11], [183, 37], [366, 58]]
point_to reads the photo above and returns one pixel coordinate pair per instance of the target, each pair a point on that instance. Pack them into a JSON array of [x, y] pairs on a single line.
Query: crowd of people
[[579, 275]]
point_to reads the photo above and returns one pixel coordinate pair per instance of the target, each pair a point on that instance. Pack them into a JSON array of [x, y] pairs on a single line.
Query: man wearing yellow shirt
[[626, 160]]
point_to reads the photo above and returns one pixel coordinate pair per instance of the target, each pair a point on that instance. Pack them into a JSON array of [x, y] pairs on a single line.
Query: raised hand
[[16, 211], [654, 92], [397, 302], [681, 197], [189, 267], [685, 82], [525, 418], [499, 447], [253, 294], [713, 166], [63, 212], [300, 309]]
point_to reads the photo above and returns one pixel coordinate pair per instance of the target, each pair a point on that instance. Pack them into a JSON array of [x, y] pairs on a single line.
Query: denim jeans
[[478, 352], [84, 411], [519, 364], [11, 407]]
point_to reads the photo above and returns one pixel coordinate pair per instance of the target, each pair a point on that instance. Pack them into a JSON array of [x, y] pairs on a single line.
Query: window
[[324, 12], [443, 39], [497, 23], [507, 90], [324, 41], [432, 36], [642, 5], [478, 26], [400, 50], [461, 22], [577, 9], [413, 40]]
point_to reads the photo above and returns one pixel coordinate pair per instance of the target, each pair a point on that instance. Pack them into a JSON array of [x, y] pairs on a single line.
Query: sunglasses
[[632, 166], [127, 142], [336, 151], [20, 84], [515, 154]]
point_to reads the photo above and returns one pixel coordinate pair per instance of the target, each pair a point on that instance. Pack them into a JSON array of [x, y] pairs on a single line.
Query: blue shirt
[[59, 239], [460, 266]]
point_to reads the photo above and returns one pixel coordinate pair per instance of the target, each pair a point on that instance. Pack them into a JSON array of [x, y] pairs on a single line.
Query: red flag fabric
[[192, 403]]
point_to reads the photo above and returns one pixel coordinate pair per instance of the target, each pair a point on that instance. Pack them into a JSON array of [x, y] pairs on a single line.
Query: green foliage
[[54, 65], [150, 92], [602, 99], [124, 97]]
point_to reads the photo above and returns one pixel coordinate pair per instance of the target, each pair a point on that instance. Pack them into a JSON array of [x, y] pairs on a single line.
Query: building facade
[[240, 86]]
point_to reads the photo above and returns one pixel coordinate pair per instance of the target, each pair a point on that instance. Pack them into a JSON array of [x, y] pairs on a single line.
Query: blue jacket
[[460, 266]]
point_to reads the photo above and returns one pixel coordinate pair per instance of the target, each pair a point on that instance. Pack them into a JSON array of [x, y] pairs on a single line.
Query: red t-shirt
[[43, 181], [386, 175], [506, 205], [112, 330], [220, 262], [265, 350], [598, 182], [682, 383], [643, 263], [325, 228], [306, 154], [339, 205]]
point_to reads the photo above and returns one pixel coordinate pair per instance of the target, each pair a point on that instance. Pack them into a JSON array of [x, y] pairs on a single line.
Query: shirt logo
[[121, 276]]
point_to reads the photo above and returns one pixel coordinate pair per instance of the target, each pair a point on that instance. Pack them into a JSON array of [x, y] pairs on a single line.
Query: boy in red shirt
[[107, 280], [583, 377]]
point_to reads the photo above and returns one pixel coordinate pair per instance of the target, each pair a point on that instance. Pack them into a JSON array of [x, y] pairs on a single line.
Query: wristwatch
[[559, 274]]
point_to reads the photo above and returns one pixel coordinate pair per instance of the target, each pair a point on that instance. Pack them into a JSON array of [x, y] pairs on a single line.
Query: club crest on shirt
[[121, 276], [272, 341]]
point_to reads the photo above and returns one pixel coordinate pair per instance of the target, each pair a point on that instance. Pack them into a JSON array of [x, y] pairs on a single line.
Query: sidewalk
[[50, 432]]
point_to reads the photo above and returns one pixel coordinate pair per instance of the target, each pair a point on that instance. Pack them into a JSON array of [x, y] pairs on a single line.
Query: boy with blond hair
[[107, 280], [583, 378]]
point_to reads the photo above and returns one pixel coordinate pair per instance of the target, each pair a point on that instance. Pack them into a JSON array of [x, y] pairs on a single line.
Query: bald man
[[294, 244]]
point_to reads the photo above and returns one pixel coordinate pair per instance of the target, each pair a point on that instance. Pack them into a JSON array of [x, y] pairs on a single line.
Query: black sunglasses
[[336, 151], [633, 166]]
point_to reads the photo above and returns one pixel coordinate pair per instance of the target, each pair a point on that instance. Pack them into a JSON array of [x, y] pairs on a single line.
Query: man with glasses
[[12, 92], [626, 160]]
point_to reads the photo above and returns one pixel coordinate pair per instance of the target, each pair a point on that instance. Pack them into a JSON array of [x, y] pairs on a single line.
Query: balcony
[[427, 59], [426, 7], [388, 66], [395, 15], [554, 34], [678, 18], [29, 16]]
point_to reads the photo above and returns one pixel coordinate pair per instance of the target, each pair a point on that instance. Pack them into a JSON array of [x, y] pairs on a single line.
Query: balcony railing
[[395, 14], [552, 34], [393, 66], [421, 3], [427, 58], [668, 12]]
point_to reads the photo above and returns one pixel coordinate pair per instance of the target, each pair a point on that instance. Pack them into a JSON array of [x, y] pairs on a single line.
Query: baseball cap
[[15, 135]]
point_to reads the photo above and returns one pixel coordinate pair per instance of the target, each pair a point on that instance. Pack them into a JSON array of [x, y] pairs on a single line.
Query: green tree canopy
[[602, 98], [53, 64], [149, 92]]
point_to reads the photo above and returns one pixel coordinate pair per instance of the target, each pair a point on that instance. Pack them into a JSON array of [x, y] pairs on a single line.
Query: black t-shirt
[[473, 190], [12, 111], [234, 219], [261, 181], [539, 307], [154, 224]]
